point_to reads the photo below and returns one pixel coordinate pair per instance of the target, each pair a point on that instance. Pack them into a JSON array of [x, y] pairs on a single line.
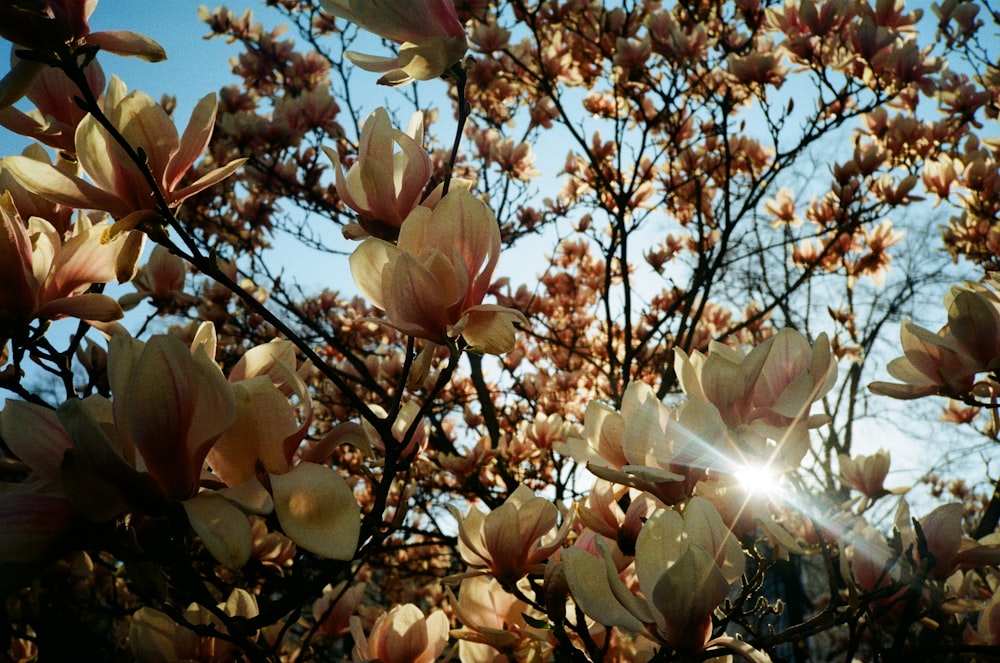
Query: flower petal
[[317, 510], [223, 528]]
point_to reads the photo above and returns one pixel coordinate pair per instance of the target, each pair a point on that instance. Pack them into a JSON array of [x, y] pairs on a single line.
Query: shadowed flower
[[155, 637], [432, 283], [947, 362], [431, 38], [47, 278]]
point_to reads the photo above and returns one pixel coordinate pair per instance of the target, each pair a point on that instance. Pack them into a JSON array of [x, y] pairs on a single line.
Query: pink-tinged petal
[[503, 540], [108, 165], [415, 301], [177, 406], [224, 529], [36, 436], [377, 182], [33, 526], [19, 285], [343, 189], [254, 442], [127, 43], [83, 260], [463, 222], [88, 306], [54, 185], [210, 178], [412, 168], [317, 510], [146, 126], [591, 589], [686, 595], [193, 142], [367, 262]]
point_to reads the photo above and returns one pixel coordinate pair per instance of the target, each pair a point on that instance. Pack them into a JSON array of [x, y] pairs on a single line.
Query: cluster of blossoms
[[243, 487]]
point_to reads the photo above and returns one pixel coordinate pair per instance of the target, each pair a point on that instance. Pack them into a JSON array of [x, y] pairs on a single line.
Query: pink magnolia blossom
[[119, 186], [160, 280], [866, 474], [431, 38], [515, 538], [384, 186], [431, 284], [947, 362], [402, 635], [494, 627], [47, 278]]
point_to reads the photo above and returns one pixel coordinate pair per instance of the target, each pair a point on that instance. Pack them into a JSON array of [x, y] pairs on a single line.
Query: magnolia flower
[[948, 548], [47, 278], [119, 185], [171, 404], [947, 362], [431, 283], [431, 38], [514, 539], [685, 566], [650, 446], [866, 474], [494, 624], [402, 635], [161, 280], [313, 504], [764, 397], [49, 26], [384, 186]]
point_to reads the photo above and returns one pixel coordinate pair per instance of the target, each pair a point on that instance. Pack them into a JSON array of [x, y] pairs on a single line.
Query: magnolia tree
[[471, 459]]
